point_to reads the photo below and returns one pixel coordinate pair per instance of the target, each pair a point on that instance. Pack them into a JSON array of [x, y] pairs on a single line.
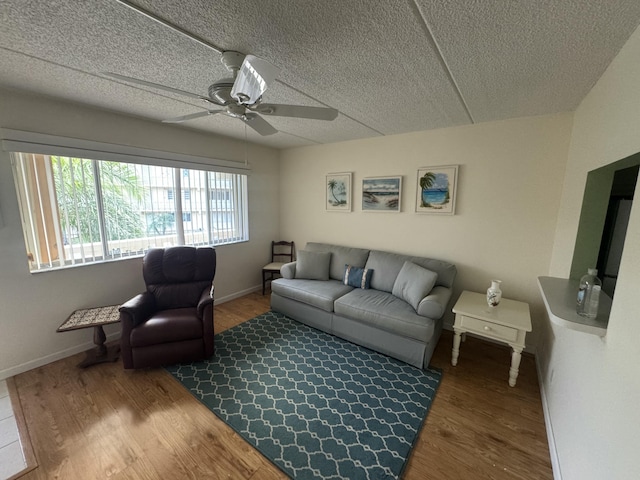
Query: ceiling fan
[[241, 95]]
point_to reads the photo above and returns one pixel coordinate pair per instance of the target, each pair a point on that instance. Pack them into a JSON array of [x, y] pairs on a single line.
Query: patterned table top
[[91, 317]]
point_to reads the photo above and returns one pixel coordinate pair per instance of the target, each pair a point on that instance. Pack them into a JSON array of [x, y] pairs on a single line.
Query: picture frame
[[337, 189], [382, 194], [436, 189]]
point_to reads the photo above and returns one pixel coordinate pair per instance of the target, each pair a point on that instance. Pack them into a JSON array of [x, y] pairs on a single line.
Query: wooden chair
[[279, 251]]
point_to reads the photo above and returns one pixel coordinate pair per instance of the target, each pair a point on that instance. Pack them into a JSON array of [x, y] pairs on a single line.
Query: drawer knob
[[487, 328]]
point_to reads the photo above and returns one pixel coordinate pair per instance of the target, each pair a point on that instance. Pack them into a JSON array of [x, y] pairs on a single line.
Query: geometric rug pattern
[[315, 405]]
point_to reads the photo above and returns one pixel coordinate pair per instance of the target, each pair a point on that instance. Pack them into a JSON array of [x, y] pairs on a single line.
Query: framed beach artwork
[[338, 192], [436, 190], [381, 194]]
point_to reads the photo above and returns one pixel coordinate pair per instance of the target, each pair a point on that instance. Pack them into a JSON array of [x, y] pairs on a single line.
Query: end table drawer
[[489, 329]]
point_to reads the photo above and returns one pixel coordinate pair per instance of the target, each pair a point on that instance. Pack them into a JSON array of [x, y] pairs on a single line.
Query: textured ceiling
[[388, 66]]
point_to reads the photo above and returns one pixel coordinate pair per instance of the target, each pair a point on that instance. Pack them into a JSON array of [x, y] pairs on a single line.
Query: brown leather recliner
[[172, 321]]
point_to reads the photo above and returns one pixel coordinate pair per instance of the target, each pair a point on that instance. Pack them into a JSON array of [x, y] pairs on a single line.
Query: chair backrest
[[176, 276], [281, 251]]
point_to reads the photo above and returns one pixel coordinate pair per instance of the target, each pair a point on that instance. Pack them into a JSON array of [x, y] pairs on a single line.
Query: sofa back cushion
[[387, 266], [446, 271], [340, 256]]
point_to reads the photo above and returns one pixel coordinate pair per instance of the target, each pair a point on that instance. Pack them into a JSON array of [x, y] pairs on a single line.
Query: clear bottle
[[589, 294]]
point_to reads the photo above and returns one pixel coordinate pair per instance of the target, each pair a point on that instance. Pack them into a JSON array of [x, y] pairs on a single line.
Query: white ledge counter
[[559, 295]]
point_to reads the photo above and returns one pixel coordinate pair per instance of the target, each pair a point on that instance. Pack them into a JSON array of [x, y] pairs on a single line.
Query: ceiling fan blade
[[191, 116], [297, 111], [157, 85], [259, 124], [252, 79]]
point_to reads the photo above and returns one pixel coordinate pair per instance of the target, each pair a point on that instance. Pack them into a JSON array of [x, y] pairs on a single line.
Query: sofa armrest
[[137, 310], [288, 270], [435, 304], [206, 298]]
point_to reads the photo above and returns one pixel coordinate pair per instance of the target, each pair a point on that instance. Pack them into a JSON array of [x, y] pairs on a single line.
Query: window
[[220, 195], [77, 211]]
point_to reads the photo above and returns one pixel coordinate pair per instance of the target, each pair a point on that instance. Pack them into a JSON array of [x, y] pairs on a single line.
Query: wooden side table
[[509, 322], [96, 318]]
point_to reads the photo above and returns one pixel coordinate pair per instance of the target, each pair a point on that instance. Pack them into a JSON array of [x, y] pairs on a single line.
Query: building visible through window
[[78, 211]]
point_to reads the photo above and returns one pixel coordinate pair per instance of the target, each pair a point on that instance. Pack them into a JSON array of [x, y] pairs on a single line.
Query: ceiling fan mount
[[232, 60], [241, 95]]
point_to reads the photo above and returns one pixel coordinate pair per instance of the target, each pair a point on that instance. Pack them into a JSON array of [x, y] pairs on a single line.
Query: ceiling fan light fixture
[[252, 80]]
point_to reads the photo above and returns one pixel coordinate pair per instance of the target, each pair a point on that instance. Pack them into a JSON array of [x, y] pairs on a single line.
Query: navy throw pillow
[[357, 277]]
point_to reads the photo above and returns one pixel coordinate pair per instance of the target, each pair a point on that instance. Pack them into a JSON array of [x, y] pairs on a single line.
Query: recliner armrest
[[139, 308], [206, 298]]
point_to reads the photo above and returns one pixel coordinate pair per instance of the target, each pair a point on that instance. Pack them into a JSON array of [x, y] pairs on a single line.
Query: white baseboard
[[553, 452], [38, 362], [233, 296]]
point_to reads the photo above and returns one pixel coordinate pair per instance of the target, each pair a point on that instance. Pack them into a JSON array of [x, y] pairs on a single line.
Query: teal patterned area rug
[[315, 405]]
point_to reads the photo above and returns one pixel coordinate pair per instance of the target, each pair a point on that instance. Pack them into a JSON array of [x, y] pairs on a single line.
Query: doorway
[[615, 227]]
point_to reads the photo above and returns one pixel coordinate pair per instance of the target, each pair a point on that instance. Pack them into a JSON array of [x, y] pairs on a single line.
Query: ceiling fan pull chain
[[246, 147]]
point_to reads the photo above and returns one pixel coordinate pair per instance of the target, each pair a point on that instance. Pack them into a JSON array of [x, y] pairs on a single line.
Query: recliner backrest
[[176, 276]]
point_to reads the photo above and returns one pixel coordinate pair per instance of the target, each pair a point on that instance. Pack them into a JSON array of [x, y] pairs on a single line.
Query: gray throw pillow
[[414, 283], [313, 265]]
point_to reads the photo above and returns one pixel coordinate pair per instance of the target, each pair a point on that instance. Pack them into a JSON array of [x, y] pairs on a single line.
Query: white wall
[[510, 183], [592, 385], [32, 306]]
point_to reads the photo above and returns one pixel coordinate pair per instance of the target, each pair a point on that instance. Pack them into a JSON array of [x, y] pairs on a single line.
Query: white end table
[[509, 322]]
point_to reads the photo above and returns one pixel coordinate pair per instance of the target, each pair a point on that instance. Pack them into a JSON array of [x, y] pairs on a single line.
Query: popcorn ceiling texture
[[376, 61]]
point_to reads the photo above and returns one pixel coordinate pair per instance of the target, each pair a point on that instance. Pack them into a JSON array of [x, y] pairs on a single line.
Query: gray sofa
[[400, 314]]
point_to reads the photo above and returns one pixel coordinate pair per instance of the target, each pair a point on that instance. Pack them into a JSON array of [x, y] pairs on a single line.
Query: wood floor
[[104, 422]]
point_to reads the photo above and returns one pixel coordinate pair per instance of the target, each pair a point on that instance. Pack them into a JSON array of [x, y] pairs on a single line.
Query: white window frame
[[35, 143]]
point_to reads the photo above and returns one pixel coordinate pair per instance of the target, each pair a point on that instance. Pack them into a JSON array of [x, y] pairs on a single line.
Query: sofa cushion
[[446, 271], [357, 277], [386, 312], [413, 283], [313, 265], [320, 294], [387, 267], [340, 256]]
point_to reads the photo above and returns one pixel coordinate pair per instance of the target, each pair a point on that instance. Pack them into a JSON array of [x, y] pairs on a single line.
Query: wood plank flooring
[[105, 422]]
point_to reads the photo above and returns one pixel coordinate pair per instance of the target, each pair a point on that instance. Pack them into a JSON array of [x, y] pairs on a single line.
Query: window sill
[[559, 295]]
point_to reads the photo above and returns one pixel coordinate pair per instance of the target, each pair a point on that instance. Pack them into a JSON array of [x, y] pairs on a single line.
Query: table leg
[[99, 337], [101, 353], [516, 356], [456, 347]]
